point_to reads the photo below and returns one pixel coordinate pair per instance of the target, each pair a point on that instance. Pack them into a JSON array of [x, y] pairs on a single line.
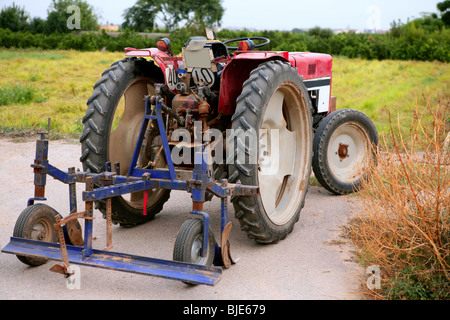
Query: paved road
[[314, 262]]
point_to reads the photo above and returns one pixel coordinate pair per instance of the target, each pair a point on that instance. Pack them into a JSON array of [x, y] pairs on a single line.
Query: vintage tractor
[[251, 92], [217, 120]]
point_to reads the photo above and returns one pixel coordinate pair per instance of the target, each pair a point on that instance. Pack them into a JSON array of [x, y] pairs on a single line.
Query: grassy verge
[[403, 227]]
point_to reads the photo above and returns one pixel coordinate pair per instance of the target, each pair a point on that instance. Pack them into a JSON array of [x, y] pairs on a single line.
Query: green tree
[[444, 9], [14, 18], [318, 32], [174, 12], [198, 12], [37, 25], [141, 16], [57, 20]]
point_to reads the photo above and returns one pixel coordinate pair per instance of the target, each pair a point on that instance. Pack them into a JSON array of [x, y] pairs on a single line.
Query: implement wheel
[[111, 128], [273, 150], [36, 223], [189, 244]]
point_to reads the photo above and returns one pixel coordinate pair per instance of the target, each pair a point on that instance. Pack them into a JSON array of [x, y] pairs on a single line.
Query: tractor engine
[[192, 98]]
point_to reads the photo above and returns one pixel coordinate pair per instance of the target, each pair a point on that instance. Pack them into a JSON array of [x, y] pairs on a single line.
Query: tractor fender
[[167, 63], [237, 72]]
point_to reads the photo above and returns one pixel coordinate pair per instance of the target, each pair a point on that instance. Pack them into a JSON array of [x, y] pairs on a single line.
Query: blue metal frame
[[112, 185], [159, 119], [174, 270]]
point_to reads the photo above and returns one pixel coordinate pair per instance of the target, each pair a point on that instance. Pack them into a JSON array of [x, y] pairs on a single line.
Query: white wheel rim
[[348, 152], [196, 251], [284, 140]]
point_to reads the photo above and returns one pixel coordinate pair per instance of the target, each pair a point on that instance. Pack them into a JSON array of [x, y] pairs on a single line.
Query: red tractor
[[271, 114]]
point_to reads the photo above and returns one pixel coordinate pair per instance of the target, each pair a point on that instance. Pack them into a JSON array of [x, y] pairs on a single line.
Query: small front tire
[[345, 146]]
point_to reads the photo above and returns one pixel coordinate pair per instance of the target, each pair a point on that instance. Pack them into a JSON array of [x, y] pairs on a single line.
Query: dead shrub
[[403, 225]]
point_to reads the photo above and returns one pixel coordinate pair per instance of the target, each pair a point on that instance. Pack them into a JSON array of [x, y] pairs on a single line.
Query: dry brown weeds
[[403, 225]]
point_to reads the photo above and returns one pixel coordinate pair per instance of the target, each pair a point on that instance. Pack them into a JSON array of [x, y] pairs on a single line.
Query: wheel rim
[[42, 231], [124, 134], [348, 152], [283, 163], [196, 251]]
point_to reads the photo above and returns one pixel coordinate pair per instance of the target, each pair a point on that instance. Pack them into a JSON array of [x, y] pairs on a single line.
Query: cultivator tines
[[70, 248]]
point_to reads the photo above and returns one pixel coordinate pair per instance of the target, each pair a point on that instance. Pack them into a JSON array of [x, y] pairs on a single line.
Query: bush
[[83, 42], [404, 224]]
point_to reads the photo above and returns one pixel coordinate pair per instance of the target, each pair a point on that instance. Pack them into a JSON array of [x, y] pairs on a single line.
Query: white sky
[[277, 15]]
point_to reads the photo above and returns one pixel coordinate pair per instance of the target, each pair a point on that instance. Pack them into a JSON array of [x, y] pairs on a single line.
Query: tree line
[[144, 16], [426, 38]]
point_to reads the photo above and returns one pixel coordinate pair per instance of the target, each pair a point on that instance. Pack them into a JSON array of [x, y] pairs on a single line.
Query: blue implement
[[106, 185], [173, 270]]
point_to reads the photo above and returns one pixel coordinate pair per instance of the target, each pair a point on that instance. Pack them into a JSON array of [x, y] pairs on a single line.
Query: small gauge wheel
[[36, 223], [189, 244]]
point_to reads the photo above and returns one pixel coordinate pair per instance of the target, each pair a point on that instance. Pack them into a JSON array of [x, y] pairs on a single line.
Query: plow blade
[[173, 270]]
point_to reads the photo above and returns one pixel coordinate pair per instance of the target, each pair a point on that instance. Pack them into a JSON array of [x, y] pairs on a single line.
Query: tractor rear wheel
[[112, 124], [274, 111]]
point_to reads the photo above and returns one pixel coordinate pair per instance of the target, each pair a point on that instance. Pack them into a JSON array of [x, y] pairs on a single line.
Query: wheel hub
[[196, 250], [39, 231], [345, 165], [343, 151]]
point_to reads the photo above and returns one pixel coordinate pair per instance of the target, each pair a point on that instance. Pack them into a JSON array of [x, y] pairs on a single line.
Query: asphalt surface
[[315, 262]]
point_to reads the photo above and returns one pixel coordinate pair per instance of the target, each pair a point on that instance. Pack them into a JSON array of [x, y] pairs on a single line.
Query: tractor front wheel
[[345, 145]]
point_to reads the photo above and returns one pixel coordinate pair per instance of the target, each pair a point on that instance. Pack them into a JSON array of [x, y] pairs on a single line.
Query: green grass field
[[58, 84], [36, 85]]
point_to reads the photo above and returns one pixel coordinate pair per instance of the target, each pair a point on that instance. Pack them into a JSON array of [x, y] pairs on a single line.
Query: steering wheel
[[266, 42]]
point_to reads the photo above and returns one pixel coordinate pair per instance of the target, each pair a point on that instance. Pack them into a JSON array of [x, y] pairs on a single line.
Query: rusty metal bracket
[[109, 245], [65, 268]]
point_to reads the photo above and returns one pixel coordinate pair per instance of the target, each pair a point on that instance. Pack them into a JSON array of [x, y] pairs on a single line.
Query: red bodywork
[[163, 59], [309, 65]]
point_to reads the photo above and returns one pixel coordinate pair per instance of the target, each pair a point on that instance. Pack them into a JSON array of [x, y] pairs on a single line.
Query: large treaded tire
[[359, 126], [98, 121], [264, 81]]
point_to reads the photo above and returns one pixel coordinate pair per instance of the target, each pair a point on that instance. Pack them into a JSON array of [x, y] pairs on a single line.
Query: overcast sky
[[277, 15]]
